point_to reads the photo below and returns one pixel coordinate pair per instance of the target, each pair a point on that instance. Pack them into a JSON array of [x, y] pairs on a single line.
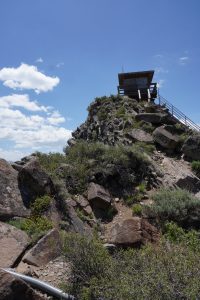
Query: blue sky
[[58, 55]]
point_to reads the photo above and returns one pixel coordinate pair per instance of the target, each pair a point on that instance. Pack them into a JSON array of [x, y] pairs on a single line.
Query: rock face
[[165, 138], [98, 196], [46, 249], [133, 232], [12, 244], [34, 182], [154, 118], [191, 147], [11, 203], [177, 173], [139, 135], [12, 288]]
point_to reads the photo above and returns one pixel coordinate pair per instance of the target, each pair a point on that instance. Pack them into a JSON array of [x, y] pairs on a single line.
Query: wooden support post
[[139, 95], [149, 95]]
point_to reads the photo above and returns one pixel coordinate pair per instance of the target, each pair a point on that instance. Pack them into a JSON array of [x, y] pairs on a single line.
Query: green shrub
[[40, 205], [142, 187], [137, 209], [51, 161], [196, 167], [174, 205], [176, 234], [87, 256], [167, 271], [127, 164], [34, 227], [120, 112]]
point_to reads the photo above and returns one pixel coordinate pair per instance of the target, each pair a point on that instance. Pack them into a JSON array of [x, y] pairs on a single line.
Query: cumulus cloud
[[183, 60], [33, 131], [27, 77], [21, 100], [55, 118], [39, 60]]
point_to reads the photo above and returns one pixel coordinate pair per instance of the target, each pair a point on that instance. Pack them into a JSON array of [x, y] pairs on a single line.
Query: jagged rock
[[139, 135], [12, 288], [34, 182], [98, 196], [154, 118], [177, 173], [46, 249], [11, 203], [13, 242], [191, 147], [165, 138], [133, 231], [83, 202]]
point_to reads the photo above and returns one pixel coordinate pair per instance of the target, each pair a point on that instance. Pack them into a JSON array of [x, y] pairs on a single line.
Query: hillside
[[124, 199]]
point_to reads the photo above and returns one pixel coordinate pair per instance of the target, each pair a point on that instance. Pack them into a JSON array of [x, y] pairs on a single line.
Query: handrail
[[43, 286], [176, 113]]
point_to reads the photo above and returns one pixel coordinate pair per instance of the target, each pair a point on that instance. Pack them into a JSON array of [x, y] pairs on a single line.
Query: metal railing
[[40, 285], [176, 113]]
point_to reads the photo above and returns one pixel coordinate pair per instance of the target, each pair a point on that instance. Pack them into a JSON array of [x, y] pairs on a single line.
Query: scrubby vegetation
[[113, 166], [196, 167], [175, 205], [37, 224], [168, 271]]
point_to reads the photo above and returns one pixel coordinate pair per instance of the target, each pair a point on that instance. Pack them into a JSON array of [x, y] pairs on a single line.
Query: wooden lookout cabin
[[137, 85]]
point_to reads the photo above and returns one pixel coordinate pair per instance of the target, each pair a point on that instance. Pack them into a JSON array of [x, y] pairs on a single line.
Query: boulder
[[13, 243], [76, 224], [154, 118], [11, 203], [177, 173], [46, 249], [191, 147], [12, 288], [139, 135], [165, 138], [98, 196], [34, 182], [133, 231]]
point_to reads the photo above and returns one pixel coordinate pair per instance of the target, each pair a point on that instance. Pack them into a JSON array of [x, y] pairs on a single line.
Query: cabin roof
[[136, 75]]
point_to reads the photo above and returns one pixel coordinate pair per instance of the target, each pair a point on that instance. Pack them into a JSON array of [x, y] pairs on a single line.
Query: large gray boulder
[[139, 135], [165, 138], [154, 118], [46, 249], [133, 231], [12, 244], [34, 181], [191, 147], [12, 288], [11, 203], [98, 196]]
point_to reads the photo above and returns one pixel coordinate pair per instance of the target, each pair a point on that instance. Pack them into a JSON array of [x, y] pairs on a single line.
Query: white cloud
[[21, 100], [60, 64], [160, 70], [27, 77], [39, 60], [183, 60], [161, 83], [55, 118], [12, 154], [32, 132]]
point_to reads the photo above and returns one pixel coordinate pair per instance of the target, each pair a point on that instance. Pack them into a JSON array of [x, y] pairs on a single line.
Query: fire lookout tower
[[138, 85]]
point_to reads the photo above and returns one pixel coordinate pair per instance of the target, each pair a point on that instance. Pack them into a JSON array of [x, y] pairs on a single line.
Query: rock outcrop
[[165, 138], [34, 181], [11, 202], [98, 196], [12, 288], [133, 231], [13, 243], [191, 147]]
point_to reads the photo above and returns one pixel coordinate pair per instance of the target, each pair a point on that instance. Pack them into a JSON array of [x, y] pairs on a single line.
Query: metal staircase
[[176, 113]]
